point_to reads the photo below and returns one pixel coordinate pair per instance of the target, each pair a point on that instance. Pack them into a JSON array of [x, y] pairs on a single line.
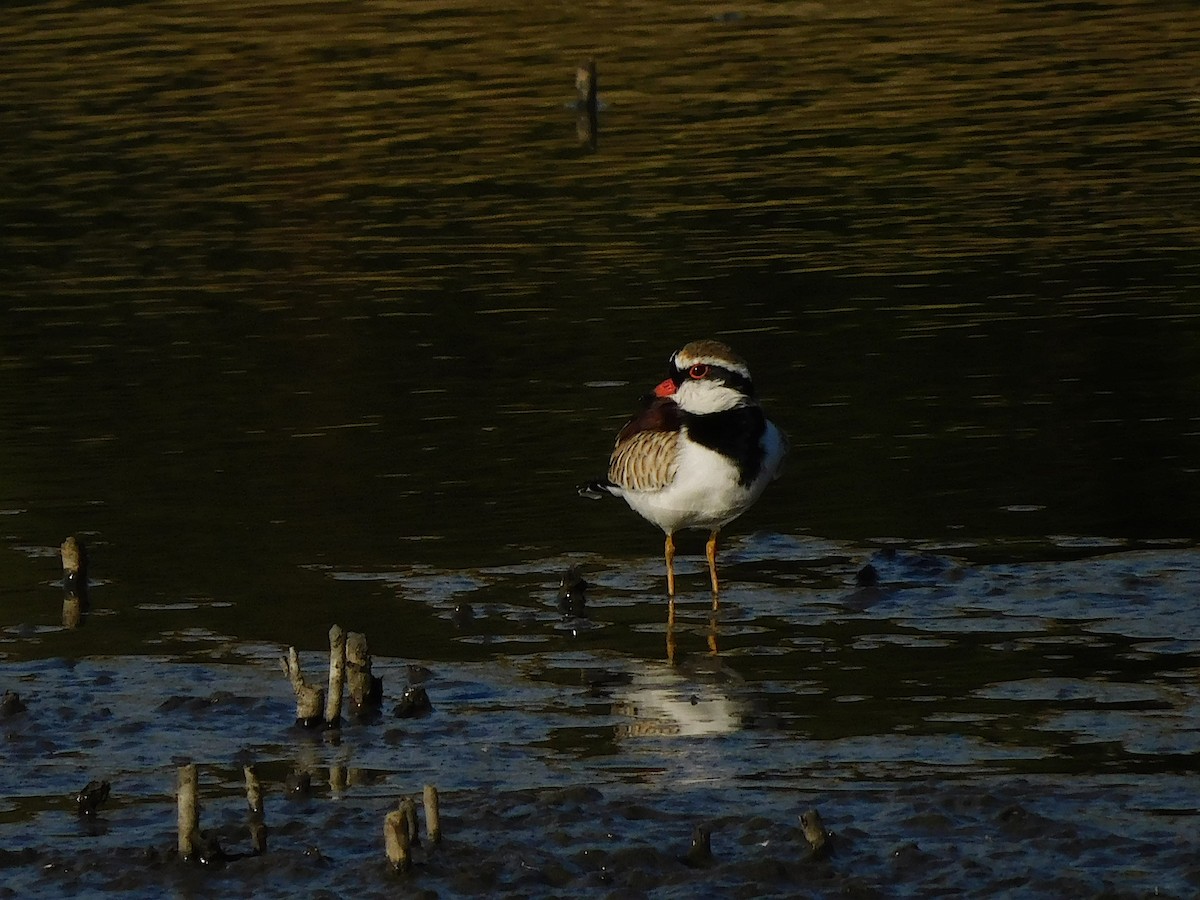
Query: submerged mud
[[960, 728]]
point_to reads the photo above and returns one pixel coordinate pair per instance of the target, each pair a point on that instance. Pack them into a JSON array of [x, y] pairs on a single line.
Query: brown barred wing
[[646, 461]]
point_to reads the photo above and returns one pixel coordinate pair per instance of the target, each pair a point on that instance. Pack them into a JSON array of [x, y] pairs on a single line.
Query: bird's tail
[[594, 490]]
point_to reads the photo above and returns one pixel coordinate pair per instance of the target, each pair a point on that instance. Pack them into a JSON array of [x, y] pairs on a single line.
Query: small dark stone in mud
[[700, 853], [10, 858], [868, 576], [576, 797], [207, 850], [554, 874], [11, 705], [417, 674], [91, 797], [463, 615], [926, 563], [413, 704], [600, 682], [911, 858], [572, 593], [1014, 813], [201, 704], [299, 784]]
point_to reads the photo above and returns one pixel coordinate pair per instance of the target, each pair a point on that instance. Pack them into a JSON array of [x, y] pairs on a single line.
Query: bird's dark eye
[[698, 371]]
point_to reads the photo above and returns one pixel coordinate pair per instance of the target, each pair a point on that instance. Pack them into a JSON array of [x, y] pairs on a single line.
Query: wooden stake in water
[[366, 691], [395, 838], [816, 835], [309, 698], [75, 581], [433, 818], [587, 105], [257, 813], [337, 677], [408, 806], [188, 809]]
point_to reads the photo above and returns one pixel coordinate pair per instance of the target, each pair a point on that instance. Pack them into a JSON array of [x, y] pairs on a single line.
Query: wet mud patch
[[979, 838], [961, 728]]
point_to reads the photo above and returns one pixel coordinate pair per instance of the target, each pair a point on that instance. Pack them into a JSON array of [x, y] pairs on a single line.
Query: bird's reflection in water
[[711, 634], [684, 697], [660, 703]]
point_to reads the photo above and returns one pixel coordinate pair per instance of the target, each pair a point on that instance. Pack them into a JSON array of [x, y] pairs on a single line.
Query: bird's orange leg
[[669, 553], [710, 550]]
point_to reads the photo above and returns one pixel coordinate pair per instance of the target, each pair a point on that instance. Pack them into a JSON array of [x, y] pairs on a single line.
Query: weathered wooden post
[[408, 806], [337, 677], [587, 104], [395, 836], [75, 581], [433, 816], [366, 691], [309, 698], [188, 804]]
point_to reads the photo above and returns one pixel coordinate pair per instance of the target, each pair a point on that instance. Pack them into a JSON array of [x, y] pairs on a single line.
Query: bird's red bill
[[665, 389]]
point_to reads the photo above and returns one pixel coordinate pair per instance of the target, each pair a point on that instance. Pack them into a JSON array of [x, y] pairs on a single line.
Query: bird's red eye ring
[[698, 371]]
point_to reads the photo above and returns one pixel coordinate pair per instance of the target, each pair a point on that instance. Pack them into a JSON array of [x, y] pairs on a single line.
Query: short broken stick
[[75, 593], [408, 806], [816, 835], [366, 691], [433, 818], [309, 698], [395, 836]]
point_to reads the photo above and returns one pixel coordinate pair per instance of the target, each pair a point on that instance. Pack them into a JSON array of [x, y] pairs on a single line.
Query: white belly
[[706, 492]]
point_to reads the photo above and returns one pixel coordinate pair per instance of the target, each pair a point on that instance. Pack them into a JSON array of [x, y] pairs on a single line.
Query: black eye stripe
[[735, 380]]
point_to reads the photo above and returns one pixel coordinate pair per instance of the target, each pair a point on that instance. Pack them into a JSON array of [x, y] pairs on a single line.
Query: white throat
[[705, 397]]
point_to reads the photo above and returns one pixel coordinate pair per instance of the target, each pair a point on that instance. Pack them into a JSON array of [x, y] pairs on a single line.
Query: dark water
[[316, 313]]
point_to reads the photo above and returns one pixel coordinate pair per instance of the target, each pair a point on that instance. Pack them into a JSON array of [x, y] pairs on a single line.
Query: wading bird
[[699, 454]]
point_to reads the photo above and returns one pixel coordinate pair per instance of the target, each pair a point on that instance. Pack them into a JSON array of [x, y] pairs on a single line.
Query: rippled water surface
[[317, 313]]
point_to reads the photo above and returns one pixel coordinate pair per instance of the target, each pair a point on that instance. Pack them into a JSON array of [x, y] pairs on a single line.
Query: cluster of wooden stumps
[[400, 829], [194, 844], [400, 833], [318, 707], [349, 666]]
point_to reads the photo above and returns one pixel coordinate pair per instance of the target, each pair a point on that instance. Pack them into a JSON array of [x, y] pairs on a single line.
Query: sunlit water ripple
[[318, 312]]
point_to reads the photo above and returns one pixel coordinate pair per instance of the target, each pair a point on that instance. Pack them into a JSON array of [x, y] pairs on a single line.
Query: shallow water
[[973, 728], [317, 313]]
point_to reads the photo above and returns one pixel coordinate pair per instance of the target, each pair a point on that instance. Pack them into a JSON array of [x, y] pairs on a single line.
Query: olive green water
[[317, 313]]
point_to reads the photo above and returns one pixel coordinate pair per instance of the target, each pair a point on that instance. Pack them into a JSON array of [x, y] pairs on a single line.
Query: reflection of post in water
[[587, 121], [256, 812], [75, 593]]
